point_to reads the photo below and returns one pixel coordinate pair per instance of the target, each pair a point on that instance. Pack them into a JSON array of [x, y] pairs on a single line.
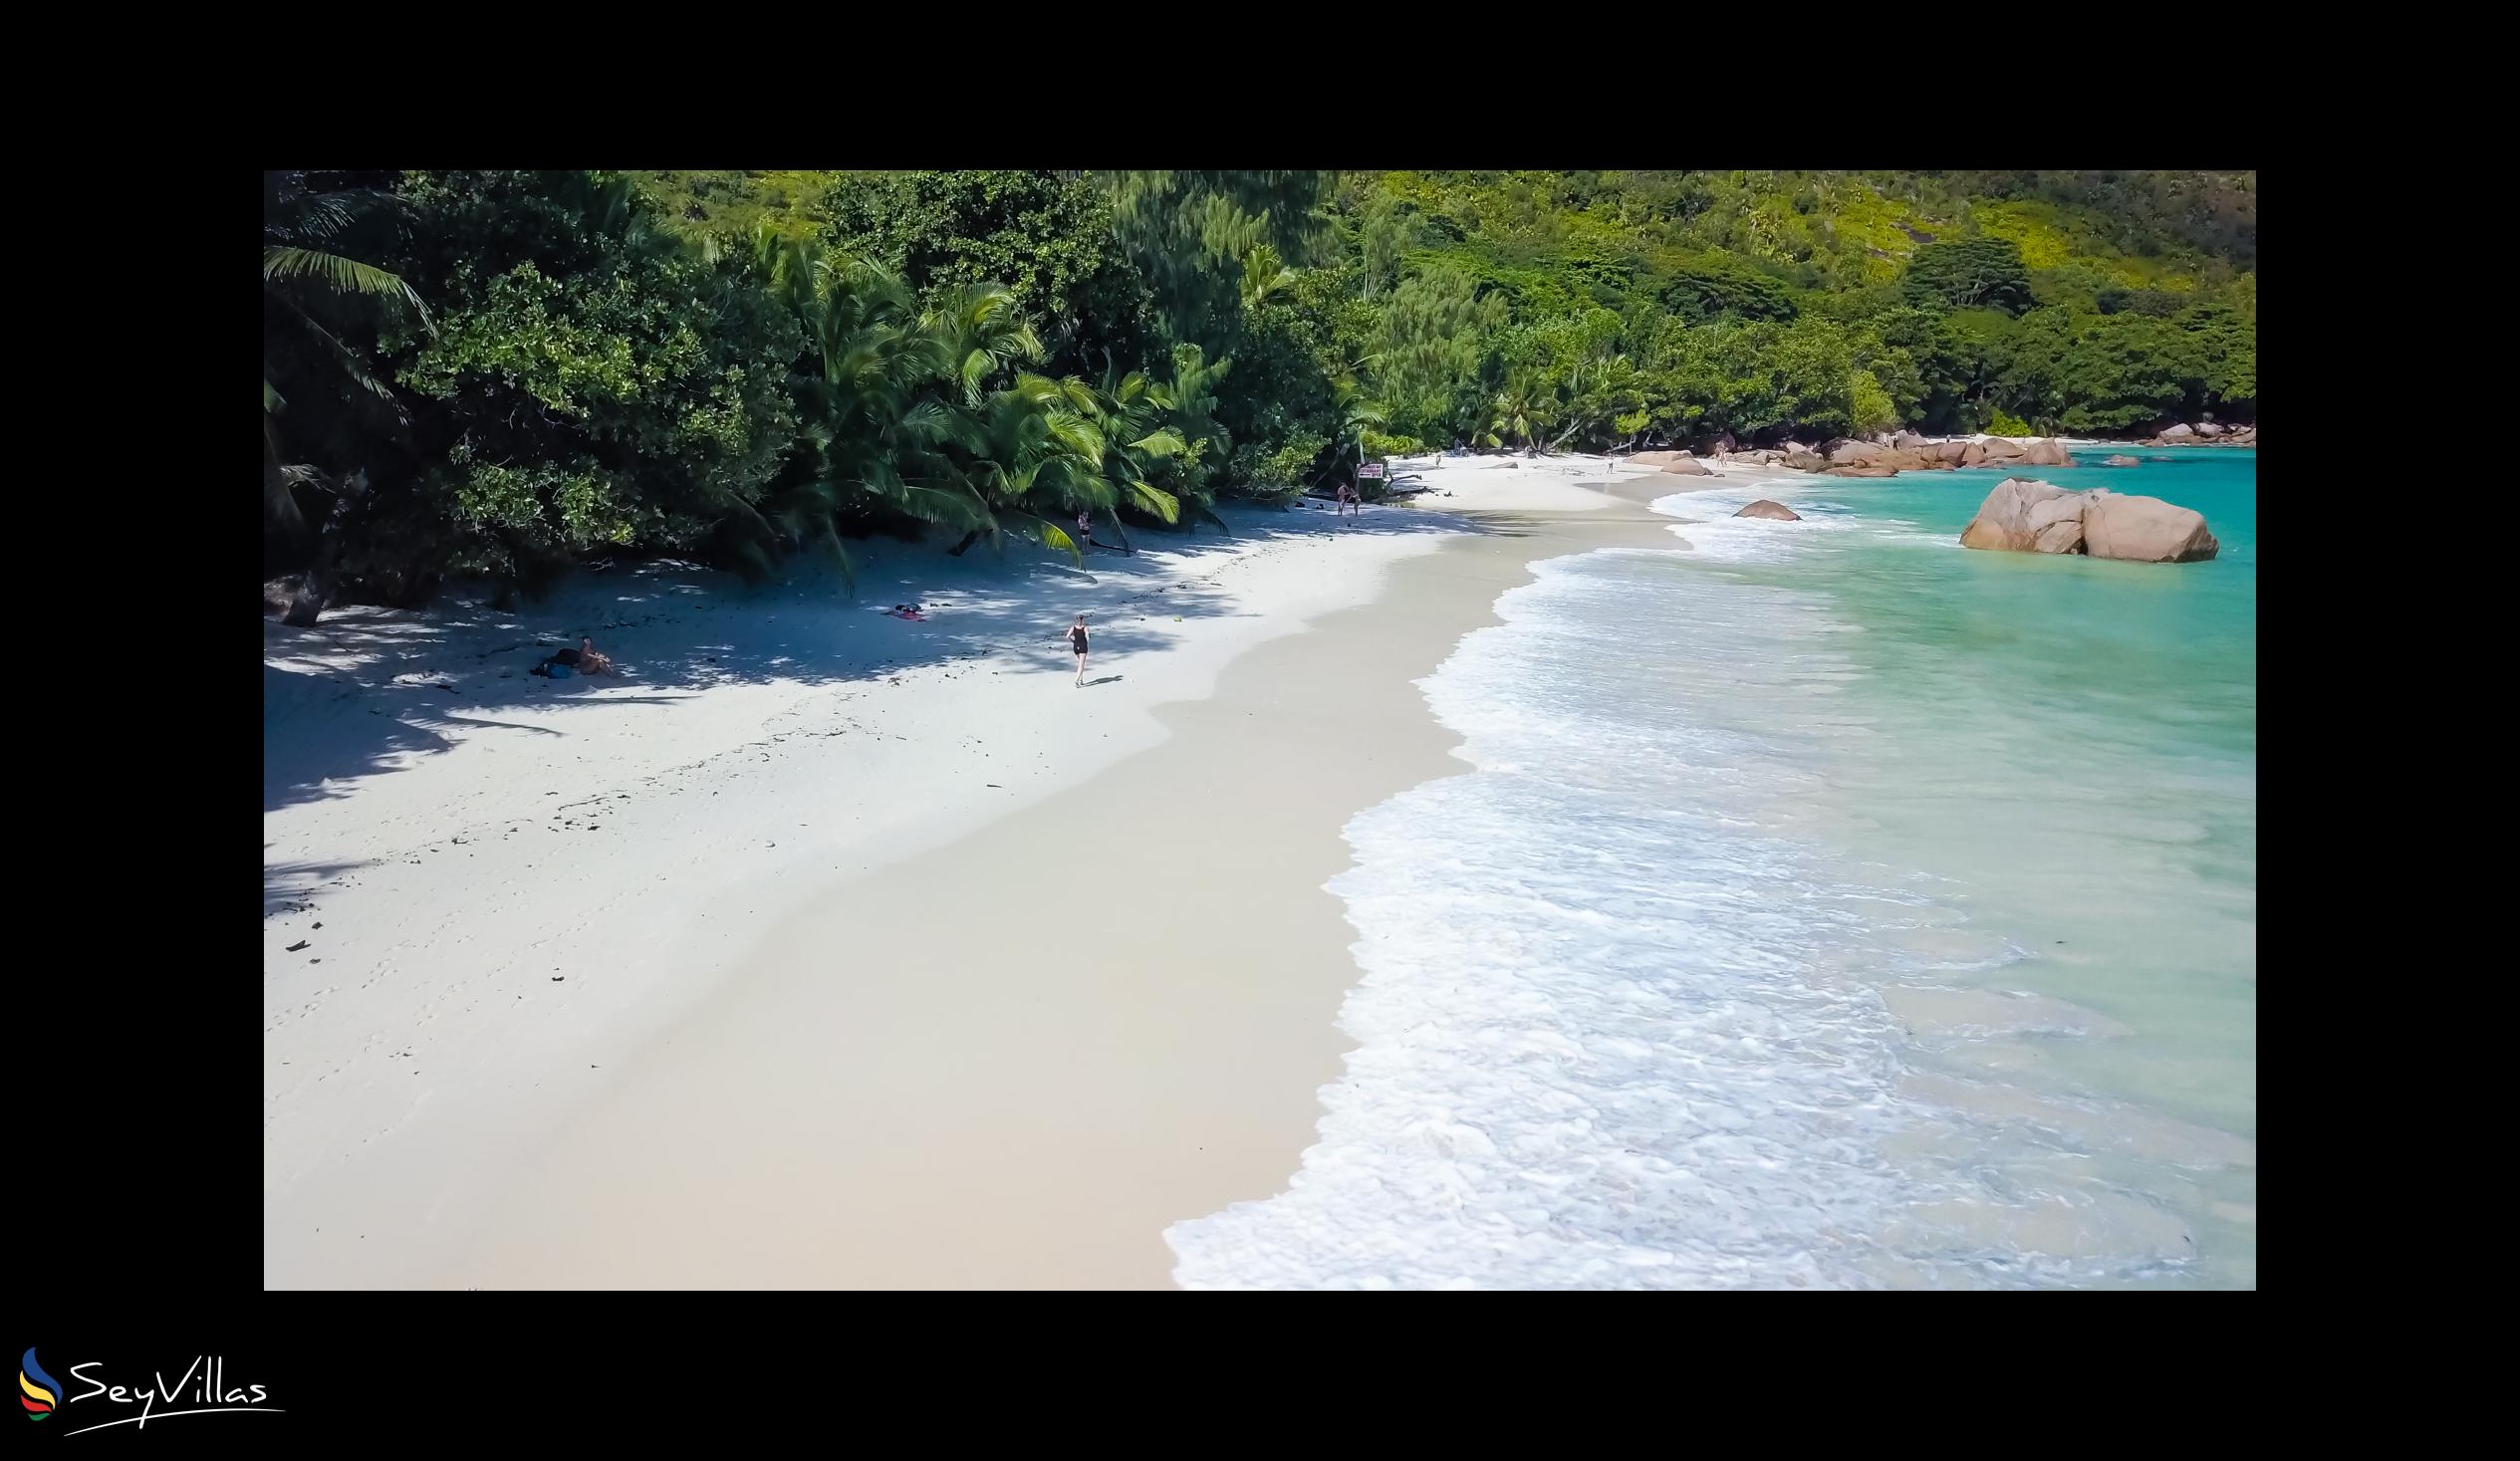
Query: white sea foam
[[1622, 1020], [1714, 533], [1588, 1053]]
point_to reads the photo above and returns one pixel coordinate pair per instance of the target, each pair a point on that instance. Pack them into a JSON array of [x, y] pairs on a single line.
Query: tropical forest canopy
[[504, 373]]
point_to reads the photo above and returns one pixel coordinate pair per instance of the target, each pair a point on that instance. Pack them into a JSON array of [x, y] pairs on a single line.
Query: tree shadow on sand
[[370, 690], [294, 886]]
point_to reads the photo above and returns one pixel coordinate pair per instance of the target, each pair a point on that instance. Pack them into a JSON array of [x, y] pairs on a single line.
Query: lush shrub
[[1870, 409], [1289, 464]]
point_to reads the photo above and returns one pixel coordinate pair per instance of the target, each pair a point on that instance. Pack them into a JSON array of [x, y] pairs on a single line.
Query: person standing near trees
[[1078, 644], [1085, 534]]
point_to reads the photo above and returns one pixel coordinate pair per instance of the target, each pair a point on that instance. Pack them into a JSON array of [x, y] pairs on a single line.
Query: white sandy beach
[[759, 966]]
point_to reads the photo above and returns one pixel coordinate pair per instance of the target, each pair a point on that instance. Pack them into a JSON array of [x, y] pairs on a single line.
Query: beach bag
[[559, 672]]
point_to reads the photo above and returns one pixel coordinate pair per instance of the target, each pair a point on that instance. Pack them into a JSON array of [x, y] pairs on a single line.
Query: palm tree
[[874, 404], [1263, 274], [1033, 449], [1519, 412], [1614, 399], [312, 290], [1356, 412], [1187, 402], [982, 330]]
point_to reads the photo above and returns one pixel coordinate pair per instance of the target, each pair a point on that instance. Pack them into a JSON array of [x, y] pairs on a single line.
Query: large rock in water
[[1806, 461], [2047, 453], [1852, 453], [2122, 461], [2025, 515], [2001, 449], [2145, 530], [2176, 431], [2004, 518], [1863, 471], [2208, 430], [1766, 509], [1972, 454]]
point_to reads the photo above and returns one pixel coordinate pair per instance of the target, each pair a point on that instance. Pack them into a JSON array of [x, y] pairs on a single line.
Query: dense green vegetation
[[502, 374]]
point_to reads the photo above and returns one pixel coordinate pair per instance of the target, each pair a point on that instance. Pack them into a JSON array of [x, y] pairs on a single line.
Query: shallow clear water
[[1831, 906]]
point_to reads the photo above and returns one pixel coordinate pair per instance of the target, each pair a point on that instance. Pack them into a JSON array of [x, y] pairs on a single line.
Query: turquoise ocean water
[[1831, 906]]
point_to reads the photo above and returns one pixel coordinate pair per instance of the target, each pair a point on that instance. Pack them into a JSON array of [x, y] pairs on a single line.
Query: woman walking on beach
[[1077, 643]]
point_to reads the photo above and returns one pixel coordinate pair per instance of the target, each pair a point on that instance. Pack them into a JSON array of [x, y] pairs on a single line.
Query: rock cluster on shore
[[2203, 433], [2025, 515], [1677, 463], [1888, 455]]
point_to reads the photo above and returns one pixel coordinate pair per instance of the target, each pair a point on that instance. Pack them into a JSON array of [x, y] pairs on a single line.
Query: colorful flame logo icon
[[42, 1390]]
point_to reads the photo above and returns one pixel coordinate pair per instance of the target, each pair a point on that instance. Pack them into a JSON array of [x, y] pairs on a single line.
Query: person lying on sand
[[584, 659]]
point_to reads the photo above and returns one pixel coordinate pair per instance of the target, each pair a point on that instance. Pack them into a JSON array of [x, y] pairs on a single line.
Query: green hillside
[[502, 373]]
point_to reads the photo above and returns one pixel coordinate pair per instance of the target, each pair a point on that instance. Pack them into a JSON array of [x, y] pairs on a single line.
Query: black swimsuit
[[1076, 641]]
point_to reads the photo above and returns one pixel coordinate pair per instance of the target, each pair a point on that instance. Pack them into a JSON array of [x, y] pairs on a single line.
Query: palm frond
[[343, 276], [348, 361], [976, 367], [1156, 502], [1077, 434], [930, 420], [953, 507], [1056, 540]]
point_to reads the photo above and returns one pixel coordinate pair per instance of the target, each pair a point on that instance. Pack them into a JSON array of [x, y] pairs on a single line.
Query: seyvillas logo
[[42, 1391], [204, 1383]]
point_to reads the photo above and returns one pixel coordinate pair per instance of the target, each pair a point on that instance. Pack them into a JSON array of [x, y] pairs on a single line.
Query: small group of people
[[584, 659]]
